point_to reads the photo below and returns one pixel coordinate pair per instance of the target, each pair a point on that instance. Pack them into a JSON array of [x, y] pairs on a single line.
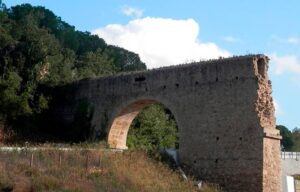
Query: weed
[[86, 171]]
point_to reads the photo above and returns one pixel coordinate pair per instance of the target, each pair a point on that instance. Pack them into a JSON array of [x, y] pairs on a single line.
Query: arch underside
[[117, 136]]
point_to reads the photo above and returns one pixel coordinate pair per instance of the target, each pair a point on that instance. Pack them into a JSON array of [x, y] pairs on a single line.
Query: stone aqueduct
[[223, 109]]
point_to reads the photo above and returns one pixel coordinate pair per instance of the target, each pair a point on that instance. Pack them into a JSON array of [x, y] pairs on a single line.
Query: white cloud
[[278, 109], [282, 64], [230, 39], [160, 41], [132, 12], [293, 40], [288, 40]]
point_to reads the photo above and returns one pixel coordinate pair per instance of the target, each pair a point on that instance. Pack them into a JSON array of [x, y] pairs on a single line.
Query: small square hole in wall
[[139, 79]]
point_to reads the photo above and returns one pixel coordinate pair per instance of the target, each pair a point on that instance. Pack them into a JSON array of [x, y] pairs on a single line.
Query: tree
[[125, 60], [39, 51], [2, 6], [58, 69], [152, 129], [94, 64], [296, 139], [287, 137]]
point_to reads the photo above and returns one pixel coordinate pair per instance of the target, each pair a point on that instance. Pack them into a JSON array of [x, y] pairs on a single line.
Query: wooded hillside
[[38, 49]]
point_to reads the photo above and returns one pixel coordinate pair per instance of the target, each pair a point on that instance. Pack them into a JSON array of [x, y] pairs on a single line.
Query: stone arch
[[119, 127], [223, 110]]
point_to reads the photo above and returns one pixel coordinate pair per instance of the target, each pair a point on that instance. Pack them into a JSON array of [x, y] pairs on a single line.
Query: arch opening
[[137, 117]]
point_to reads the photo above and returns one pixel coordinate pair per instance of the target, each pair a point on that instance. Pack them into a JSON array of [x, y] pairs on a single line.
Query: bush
[[152, 129]]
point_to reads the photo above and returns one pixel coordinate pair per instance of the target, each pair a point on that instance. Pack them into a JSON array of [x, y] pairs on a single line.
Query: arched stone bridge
[[223, 109]]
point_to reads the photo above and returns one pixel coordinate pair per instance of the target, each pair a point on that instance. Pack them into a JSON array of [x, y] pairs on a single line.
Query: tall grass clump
[[84, 170]]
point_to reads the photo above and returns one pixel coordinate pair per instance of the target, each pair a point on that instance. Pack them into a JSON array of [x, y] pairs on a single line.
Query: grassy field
[[84, 170]]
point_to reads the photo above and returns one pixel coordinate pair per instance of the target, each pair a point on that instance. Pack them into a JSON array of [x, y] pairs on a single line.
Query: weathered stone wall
[[223, 109], [271, 150]]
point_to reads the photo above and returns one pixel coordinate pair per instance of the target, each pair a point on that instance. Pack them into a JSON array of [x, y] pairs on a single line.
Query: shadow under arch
[[118, 130]]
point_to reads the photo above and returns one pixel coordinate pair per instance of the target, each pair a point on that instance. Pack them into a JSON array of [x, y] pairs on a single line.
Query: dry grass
[[87, 171]]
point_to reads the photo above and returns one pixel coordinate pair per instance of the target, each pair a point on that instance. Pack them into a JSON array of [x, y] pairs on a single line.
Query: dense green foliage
[[153, 128], [39, 51], [287, 141], [38, 48], [290, 139], [296, 139]]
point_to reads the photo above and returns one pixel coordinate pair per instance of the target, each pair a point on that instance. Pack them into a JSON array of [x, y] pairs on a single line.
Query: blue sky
[[190, 30]]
